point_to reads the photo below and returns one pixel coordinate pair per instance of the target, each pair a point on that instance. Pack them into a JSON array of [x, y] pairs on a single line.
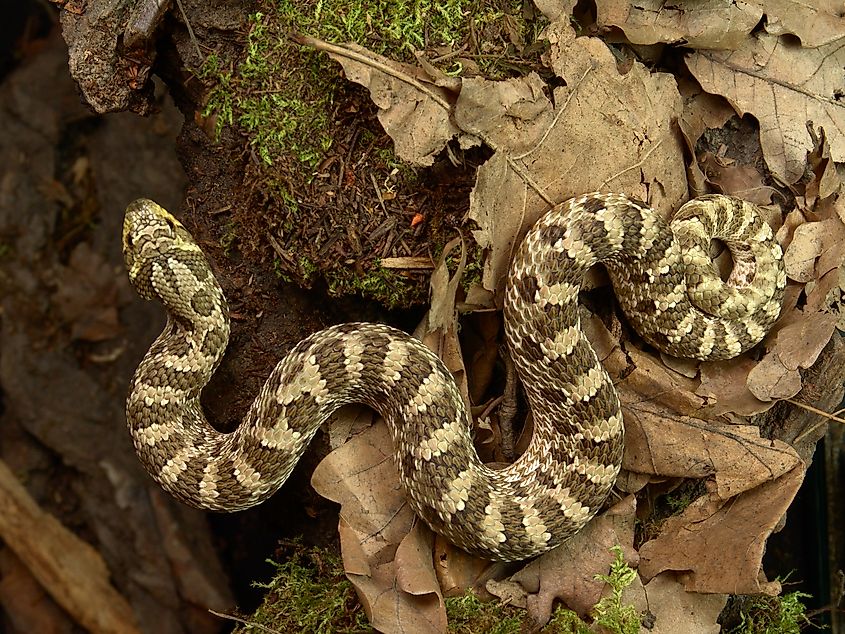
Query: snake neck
[[163, 408]]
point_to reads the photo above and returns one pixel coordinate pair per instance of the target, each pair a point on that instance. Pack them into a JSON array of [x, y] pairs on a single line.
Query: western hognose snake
[[665, 282]]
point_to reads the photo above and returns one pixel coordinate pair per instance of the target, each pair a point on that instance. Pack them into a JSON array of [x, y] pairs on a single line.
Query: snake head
[[155, 246]]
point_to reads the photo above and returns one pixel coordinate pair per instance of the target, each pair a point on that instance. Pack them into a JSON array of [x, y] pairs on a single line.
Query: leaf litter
[[611, 122]]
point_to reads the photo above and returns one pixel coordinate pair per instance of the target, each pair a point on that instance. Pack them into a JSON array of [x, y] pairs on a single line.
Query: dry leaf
[[718, 546], [386, 550], [660, 444], [677, 610], [413, 109], [784, 86], [796, 345], [743, 181], [605, 131], [815, 23], [646, 380], [439, 327], [457, 570], [702, 111], [809, 241], [555, 10], [825, 180], [726, 383], [705, 24], [442, 314], [569, 571]]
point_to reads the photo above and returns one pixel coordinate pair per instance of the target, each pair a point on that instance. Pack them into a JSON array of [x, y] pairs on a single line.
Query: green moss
[[610, 612], [307, 268], [383, 285], [565, 621], [309, 593], [468, 615], [679, 499], [282, 95], [785, 614], [229, 239]]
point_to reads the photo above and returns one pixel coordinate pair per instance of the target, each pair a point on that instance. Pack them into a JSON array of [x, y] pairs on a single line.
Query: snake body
[[665, 282]]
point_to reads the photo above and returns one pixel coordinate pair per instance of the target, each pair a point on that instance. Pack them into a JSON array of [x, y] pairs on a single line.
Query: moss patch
[[325, 194], [783, 614], [308, 594]]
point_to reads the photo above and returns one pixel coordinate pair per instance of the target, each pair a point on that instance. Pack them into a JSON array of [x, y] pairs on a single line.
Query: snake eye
[[129, 240]]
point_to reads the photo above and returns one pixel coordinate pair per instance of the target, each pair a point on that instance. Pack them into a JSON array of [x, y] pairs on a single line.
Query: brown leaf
[[783, 85], [816, 23], [685, 447], [605, 131], [797, 344], [718, 545], [726, 383], [386, 550], [442, 314], [743, 181], [649, 381], [702, 111], [457, 570], [770, 380], [801, 254], [713, 24], [678, 610], [825, 180], [413, 109], [569, 571]]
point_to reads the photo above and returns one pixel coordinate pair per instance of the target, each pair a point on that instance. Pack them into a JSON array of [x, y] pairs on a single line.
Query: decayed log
[[69, 569]]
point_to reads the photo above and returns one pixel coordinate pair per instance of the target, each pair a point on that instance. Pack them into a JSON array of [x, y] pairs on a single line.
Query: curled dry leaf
[[386, 551], [815, 23], [413, 109], [725, 382], [736, 457], [784, 86], [825, 180], [646, 380], [569, 571], [702, 111], [743, 181], [796, 345], [439, 327], [809, 241], [714, 24], [717, 545]]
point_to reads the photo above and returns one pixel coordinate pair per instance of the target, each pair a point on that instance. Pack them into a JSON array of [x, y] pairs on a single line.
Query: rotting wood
[[69, 569]]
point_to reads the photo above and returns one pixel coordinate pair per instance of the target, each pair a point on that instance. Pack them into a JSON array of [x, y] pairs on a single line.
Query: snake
[[665, 282]]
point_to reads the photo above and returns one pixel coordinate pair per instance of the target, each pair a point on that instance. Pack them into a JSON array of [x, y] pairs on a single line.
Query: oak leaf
[[784, 86]]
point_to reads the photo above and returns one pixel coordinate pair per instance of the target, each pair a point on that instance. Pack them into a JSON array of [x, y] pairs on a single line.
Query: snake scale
[[665, 282]]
